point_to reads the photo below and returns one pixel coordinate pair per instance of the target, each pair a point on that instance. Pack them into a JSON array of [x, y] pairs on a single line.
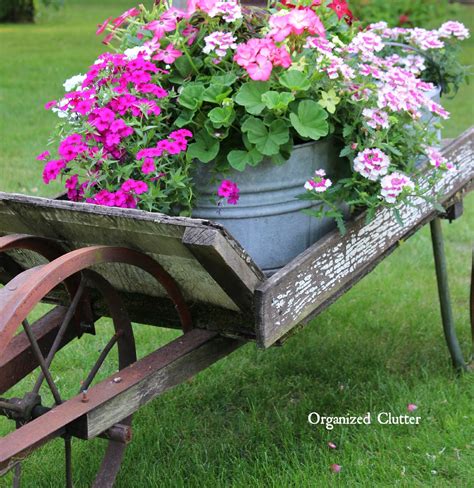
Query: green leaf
[[347, 131], [185, 117], [222, 116], [250, 96], [216, 93], [205, 147], [295, 80], [398, 217], [345, 152], [277, 100], [341, 225], [184, 67], [310, 120], [240, 159], [220, 134], [266, 139], [191, 96], [227, 80]]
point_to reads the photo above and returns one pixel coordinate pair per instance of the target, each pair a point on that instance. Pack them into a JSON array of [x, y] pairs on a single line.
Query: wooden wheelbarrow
[[90, 261]]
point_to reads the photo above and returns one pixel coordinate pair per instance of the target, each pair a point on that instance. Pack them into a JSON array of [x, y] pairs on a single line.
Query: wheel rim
[[124, 339]]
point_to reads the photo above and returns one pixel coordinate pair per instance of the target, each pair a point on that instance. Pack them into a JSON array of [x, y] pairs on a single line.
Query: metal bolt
[[85, 398]]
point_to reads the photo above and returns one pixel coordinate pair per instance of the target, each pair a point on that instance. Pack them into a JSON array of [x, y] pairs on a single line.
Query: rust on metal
[[22, 294], [18, 298], [18, 359], [20, 443]]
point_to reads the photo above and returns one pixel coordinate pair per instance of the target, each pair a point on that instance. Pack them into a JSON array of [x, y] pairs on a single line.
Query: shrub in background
[[406, 13], [24, 10]]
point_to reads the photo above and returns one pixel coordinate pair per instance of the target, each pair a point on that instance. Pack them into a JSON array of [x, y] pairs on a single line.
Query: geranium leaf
[[240, 159], [191, 96], [266, 139], [205, 147], [250, 96], [222, 116], [310, 120], [216, 93], [295, 80], [185, 117], [277, 100]]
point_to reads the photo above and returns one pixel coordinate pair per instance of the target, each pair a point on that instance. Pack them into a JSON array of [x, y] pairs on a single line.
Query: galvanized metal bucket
[[268, 219]]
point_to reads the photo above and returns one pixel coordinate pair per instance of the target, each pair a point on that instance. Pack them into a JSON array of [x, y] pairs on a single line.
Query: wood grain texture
[[329, 268], [119, 395], [152, 376], [77, 225], [232, 271]]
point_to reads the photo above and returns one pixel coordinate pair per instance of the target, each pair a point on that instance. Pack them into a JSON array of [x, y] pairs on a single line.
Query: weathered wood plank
[[155, 374], [117, 399], [232, 270], [325, 271], [78, 225]]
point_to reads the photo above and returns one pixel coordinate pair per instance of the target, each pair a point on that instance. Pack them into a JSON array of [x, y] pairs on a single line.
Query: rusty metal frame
[[127, 355], [25, 290], [21, 294]]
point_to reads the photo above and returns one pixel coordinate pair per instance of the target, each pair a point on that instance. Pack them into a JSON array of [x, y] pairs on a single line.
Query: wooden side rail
[[325, 271], [120, 395]]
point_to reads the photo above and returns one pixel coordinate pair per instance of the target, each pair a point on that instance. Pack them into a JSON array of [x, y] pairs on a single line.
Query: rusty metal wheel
[[39, 343]]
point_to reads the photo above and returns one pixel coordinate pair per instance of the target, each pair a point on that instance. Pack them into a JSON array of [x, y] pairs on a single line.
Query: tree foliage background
[[24, 10]]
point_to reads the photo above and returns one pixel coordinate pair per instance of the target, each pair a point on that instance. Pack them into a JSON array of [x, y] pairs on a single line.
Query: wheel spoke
[[61, 333], [40, 358], [100, 360]]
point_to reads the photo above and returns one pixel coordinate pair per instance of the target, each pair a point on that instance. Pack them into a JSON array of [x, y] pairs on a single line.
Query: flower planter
[[268, 220]]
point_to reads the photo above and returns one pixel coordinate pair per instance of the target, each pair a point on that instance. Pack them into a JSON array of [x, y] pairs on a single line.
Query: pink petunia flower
[[52, 169], [229, 190], [336, 468], [411, 407], [148, 166], [43, 156], [168, 55], [135, 186]]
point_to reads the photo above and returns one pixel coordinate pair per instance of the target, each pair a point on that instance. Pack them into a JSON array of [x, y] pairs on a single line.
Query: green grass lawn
[[243, 422]]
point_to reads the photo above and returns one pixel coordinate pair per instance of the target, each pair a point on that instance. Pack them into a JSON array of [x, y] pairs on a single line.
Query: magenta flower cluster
[[130, 91]]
